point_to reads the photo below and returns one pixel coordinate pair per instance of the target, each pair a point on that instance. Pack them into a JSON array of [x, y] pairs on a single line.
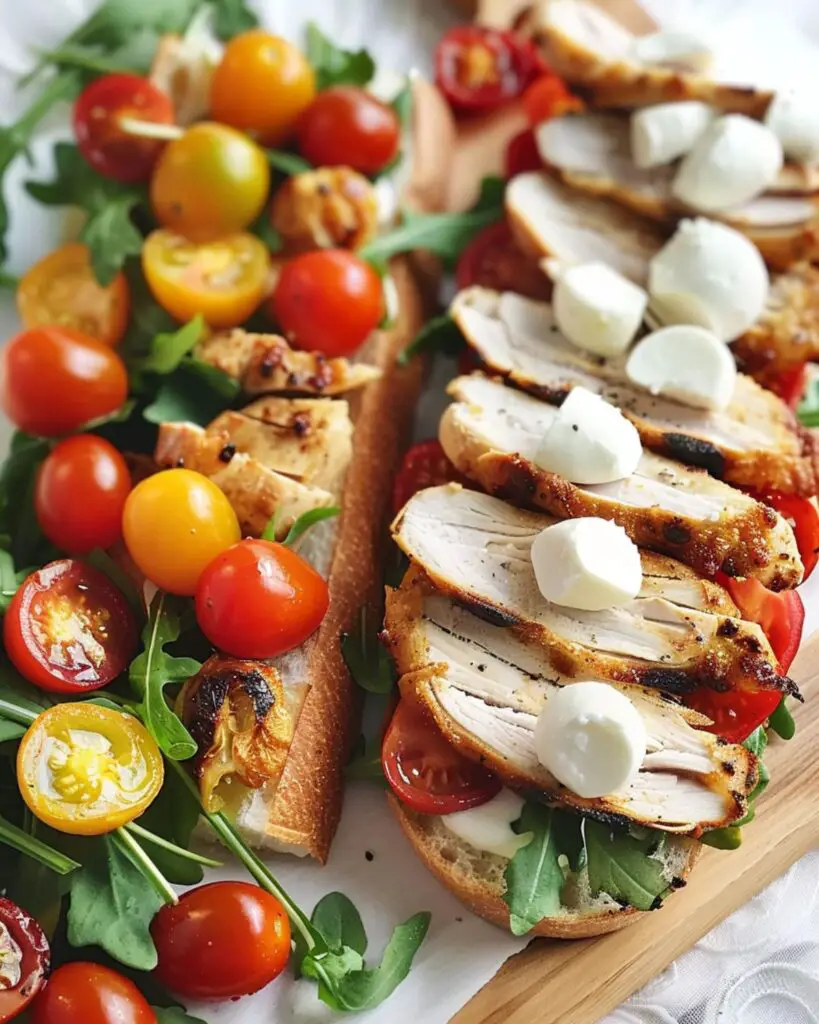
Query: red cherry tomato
[[259, 599], [103, 139], [478, 68], [522, 154], [781, 616], [790, 385], [493, 260], [328, 301], [424, 465], [548, 97], [83, 993], [53, 380], [424, 769], [221, 941], [346, 126], [68, 629], [735, 714], [80, 494], [803, 517], [24, 959]]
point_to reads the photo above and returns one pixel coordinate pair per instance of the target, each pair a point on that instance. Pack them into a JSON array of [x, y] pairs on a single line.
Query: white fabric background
[[759, 967]]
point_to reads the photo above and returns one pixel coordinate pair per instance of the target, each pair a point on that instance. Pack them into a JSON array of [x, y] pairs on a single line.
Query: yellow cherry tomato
[[87, 770], [61, 289], [210, 182], [224, 280], [262, 85], [175, 523]]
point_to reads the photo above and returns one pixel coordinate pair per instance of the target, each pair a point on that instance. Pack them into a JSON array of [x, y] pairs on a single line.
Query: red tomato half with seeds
[[68, 629], [83, 993], [424, 465], [24, 959], [479, 69]]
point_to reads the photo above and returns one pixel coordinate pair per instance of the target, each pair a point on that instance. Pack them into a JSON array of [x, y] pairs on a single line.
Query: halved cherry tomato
[[223, 280], [87, 770], [734, 714], [349, 126], [493, 260], [424, 769], [478, 68], [522, 154], [261, 86], [24, 959], [259, 599], [328, 301], [84, 993], [98, 124], [53, 380], [80, 494], [61, 289], [175, 523], [781, 616], [210, 182], [790, 385], [221, 941], [803, 517], [548, 97], [424, 465], [68, 629]]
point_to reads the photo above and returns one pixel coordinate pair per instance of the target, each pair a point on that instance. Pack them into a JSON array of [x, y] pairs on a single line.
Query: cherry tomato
[[223, 280], [53, 380], [24, 959], [82, 993], [221, 941], [87, 770], [522, 154], [211, 182], [424, 465], [102, 136], [493, 260], [803, 517], [68, 629], [350, 127], [259, 599], [790, 385], [328, 301], [734, 714], [424, 769], [548, 97], [61, 289], [478, 68], [80, 494], [781, 616], [175, 523], [262, 86]]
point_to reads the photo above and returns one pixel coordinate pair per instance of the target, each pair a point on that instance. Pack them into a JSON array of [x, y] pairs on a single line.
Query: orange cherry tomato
[[83, 993], [262, 85], [224, 280], [24, 959], [80, 494], [210, 182], [53, 380], [349, 126], [175, 523], [259, 599], [328, 301], [61, 289], [221, 941]]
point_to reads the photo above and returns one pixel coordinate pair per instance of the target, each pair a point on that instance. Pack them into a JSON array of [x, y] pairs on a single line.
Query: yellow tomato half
[[61, 289], [175, 523], [225, 280], [87, 770]]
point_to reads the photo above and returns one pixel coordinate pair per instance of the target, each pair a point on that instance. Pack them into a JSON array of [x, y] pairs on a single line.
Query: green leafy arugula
[[534, 878], [287, 163], [438, 335], [621, 865], [299, 526], [232, 17], [34, 848], [195, 392], [782, 721], [18, 525], [402, 105], [370, 666], [174, 1015], [169, 348], [730, 836], [173, 816], [154, 669], [334, 66], [365, 761]]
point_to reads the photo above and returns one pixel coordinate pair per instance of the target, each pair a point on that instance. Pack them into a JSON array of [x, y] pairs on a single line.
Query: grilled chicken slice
[[492, 433], [679, 633], [485, 687], [307, 439], [255, 491], [755, 442], [552, 220], [265, 363]]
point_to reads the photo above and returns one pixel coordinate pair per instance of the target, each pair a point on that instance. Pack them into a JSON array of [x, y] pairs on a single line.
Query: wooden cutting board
[[554, 982]]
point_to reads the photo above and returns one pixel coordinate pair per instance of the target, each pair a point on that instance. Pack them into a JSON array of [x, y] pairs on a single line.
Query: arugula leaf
[[402, 105], [365, 762], [112, 237], [19, 700], [168, 349], [154, 669], [334, 66], [445, 234], [533, 876], [232, 17], [174, 816], [147, 320], [8, 280], [195, 392], [757, 742], [112, 904], [174, 1015], [619, 864], [438, 335], [306, 520], [337, 919], [368, 662], [17, 476], [781, 721], [287, 163]]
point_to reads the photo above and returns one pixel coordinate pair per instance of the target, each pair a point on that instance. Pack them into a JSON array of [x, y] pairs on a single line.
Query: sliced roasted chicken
[[679, 633], [255, 491], [265, 363], [755, 442], [492, 433], [485, 687]]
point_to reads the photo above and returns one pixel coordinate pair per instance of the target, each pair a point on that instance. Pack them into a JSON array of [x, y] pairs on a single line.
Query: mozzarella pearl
[[687, 363], [667, 131], [598, 309], [794, 118]]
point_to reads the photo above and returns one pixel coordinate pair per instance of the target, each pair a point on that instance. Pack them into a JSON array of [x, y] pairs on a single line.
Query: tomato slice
[[426, 771], [424, 465], [522, 154], [790, 385], [803, 517], [68, 629], [548, 97], [781, 616], [479, 68], [493, 260], [24, 959], [734, 714]]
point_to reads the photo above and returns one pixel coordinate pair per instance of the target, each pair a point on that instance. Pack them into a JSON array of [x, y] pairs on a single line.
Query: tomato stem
[[150, 129], [134, 851], [15, 713], [165, 844], [29, 845]]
